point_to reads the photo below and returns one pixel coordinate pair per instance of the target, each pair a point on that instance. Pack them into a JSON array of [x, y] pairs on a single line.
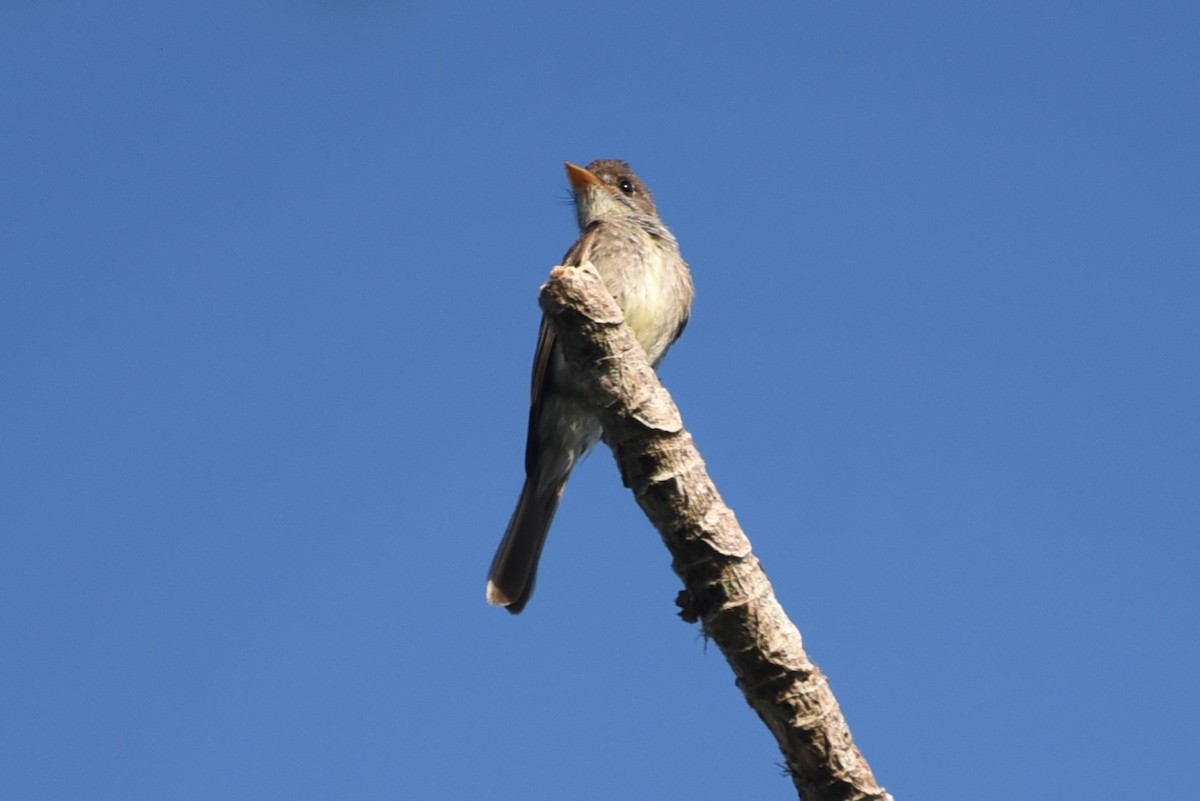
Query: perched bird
[[638, 258]]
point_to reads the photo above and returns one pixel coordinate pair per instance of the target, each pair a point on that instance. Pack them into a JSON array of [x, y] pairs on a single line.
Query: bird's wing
[[543, 376]]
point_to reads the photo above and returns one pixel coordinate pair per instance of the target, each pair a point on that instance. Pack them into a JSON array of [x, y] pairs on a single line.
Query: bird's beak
[[581, 178]]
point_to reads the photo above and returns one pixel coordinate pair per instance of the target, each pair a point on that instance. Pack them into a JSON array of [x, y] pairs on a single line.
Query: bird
[[638, 257]]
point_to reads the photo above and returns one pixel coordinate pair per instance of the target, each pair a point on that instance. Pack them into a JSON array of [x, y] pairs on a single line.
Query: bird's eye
[[626, 186]]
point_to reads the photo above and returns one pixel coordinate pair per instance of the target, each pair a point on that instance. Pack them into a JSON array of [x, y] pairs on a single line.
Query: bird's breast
[[649, 281]]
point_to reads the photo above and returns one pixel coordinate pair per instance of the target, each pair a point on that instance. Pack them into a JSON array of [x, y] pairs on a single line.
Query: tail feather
[[514, 568]]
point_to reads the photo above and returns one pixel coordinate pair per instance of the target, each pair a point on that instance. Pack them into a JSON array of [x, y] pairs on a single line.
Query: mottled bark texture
[[725, 588]]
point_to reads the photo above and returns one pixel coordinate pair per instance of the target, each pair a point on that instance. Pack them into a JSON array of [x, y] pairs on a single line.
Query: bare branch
[[725, 588]]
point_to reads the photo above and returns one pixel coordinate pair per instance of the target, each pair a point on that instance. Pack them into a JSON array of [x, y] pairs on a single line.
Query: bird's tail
[[514, 568]]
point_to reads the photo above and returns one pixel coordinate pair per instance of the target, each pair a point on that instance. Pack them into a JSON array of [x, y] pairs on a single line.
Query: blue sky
[[268, 279]]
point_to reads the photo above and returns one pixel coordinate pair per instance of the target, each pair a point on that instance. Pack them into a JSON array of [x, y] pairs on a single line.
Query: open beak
[[581, 178]]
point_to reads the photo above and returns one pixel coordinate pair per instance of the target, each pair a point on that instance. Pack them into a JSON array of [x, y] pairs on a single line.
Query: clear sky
[[268, 278]]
